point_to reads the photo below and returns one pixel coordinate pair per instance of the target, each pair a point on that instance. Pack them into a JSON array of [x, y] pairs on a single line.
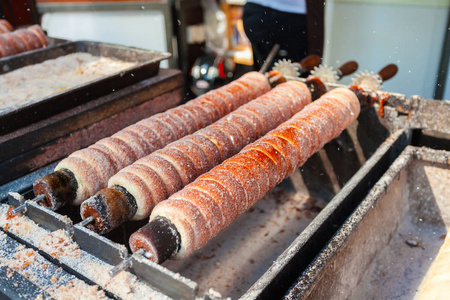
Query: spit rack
[[409, 122]]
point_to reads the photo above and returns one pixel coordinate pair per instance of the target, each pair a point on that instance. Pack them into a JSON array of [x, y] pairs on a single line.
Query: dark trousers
[[265, 27]]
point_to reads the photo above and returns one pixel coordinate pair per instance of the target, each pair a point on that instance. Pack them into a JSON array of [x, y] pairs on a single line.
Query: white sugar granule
[[58, 244], [53, 76], [76, 289], [22, 259], [125, 285]]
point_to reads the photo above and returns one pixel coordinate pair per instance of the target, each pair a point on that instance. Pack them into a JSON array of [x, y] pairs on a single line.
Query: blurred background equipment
[[210, 71], [214, 67]]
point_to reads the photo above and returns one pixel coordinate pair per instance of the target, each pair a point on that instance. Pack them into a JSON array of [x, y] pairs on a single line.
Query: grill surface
[[266, 250]]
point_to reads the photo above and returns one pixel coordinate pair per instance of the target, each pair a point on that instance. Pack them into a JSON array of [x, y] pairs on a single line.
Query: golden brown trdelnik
[[210, 203], [155, 177], [5, 26], [89, 169], [21, 40]]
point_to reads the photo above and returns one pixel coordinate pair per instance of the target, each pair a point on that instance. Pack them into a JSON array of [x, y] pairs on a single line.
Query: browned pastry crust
[[29, 38], [7, 27], [188, 158], [146, 136], [223, 142], [3, 28], [176, 125], [255, 156], [197, 155], [217, 191], [18, 45], [232, 131], [210, 150], [6, 48], [39, 33], [162, 131], [122, 152], [182, 161], [138, 145], [252, 118], [219, 102], [235, 185], [210, 108], [245, 127], [186, 118]]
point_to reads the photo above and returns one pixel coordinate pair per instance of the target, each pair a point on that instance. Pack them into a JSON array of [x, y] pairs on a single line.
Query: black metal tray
[[39, 109]]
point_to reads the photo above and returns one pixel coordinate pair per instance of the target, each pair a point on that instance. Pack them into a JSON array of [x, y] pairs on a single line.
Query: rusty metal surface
[[39, 109], [416, 112], [386, 246]]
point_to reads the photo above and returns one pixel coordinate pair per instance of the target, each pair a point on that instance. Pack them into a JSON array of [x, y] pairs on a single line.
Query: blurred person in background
[[296, 25]]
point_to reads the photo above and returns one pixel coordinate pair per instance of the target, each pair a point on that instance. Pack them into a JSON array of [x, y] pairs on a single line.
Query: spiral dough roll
[[215, 199], [5, 26], [21, 40], [95, 165], [155, 177]]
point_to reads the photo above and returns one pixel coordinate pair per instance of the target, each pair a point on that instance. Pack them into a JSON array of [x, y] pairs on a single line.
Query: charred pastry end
[[316, 87], [366, 97], [59, 188], [110, 208], [275, 77], [159, 239]]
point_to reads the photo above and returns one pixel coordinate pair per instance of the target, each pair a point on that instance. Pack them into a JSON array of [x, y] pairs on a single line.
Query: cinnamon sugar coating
[[148, 135], [240, 181], [5, 26], [193, 155], [21, 40]]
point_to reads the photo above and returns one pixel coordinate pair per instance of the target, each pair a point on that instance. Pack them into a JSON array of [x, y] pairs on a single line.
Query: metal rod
[[275, 78], [269, 58], [287, 77], [19, 209], [22, 208], [87, 221], [69, 231], [125, 264], [147, 255], [327, 84]]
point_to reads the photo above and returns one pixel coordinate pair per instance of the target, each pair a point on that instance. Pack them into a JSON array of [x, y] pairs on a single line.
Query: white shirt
[[289, 6]]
